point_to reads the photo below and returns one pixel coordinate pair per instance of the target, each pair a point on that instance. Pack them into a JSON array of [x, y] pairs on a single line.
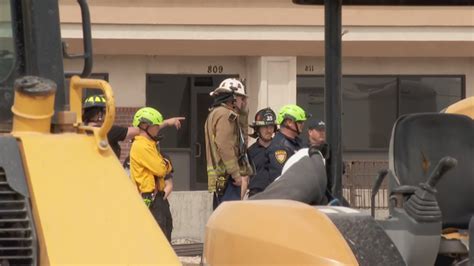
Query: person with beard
[[228, 167], [317, 137], [317, 141]]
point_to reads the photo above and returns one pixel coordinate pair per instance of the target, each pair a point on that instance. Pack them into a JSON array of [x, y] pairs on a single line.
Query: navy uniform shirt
[[278, 153], [257, 156]]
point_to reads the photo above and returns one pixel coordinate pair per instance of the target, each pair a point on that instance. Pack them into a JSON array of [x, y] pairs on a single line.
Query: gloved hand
[[323, 148]]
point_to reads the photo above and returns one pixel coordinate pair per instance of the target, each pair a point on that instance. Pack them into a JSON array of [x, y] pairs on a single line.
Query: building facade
[[170, 54]]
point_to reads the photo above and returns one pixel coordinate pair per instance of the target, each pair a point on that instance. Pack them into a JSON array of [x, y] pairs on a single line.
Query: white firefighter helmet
[[228, 86]]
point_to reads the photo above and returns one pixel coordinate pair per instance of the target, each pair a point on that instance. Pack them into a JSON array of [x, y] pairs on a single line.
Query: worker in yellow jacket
[[149, 169]]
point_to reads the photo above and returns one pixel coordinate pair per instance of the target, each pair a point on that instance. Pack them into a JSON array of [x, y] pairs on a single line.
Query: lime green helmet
[[147, 115], [293, 112]]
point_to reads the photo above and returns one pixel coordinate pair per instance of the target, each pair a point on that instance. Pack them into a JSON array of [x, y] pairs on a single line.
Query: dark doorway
[[188, 96]]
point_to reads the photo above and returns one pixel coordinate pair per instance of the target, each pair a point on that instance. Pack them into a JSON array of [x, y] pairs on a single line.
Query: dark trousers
[[254, 191], [160, 209], [232, 192]]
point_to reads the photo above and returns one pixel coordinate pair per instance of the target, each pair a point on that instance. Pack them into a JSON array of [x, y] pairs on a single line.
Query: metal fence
[[357, 184]]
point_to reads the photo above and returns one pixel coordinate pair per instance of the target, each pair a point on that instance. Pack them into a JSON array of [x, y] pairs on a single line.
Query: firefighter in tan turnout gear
[[228, 167]]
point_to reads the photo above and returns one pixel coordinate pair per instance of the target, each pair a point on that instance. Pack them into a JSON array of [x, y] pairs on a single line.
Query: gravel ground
[[181, 241], [187, 261], [190, 260]]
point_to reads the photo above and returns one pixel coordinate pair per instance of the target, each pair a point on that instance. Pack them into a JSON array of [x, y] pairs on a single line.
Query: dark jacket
[[278, 153], [115, 135], [259, 181]]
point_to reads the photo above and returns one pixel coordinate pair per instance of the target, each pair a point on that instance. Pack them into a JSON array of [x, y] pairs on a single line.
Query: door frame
[[195, 185], [195, 90]]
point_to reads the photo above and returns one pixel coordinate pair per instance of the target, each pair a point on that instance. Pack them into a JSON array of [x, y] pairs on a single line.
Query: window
[[369, 109], [171, 95], [371, 104], [310, 96], [7, 49], [427, 94], [7, 65]]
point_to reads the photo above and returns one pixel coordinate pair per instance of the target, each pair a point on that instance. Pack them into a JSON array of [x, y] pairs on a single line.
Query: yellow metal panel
[[34, 104], [463, 107], [77, 85], [273, 232], [86, 209]]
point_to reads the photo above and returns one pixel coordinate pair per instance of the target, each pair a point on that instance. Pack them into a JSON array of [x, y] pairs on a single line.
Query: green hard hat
[[147, 115], [293, 112]]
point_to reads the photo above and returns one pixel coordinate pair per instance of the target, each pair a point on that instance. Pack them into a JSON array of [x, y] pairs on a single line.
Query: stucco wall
[[127, 73], [395, 66]]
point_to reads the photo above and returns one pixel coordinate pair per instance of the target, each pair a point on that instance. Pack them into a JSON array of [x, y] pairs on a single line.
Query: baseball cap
[[317, 124]]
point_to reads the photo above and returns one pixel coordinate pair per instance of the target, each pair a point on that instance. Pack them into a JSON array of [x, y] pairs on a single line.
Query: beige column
[[271, 81]]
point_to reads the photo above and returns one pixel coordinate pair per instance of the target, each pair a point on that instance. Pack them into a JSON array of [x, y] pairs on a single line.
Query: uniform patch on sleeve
[[232, 117], [280, 156]]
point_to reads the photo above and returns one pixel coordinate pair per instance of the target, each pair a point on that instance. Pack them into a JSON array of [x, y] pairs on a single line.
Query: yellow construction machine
[[431, 188], [431, 211], [64, 196]]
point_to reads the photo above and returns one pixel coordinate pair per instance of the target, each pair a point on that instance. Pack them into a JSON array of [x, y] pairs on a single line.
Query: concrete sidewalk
[[190, 210]]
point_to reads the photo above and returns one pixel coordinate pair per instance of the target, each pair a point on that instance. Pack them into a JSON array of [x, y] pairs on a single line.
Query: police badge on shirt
[[281, 156]]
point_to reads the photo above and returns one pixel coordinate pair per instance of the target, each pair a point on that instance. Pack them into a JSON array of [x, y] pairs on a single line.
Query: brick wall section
[[124, 117]]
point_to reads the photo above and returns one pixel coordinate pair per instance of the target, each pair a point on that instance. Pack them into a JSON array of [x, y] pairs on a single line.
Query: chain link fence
[[357, 184]]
